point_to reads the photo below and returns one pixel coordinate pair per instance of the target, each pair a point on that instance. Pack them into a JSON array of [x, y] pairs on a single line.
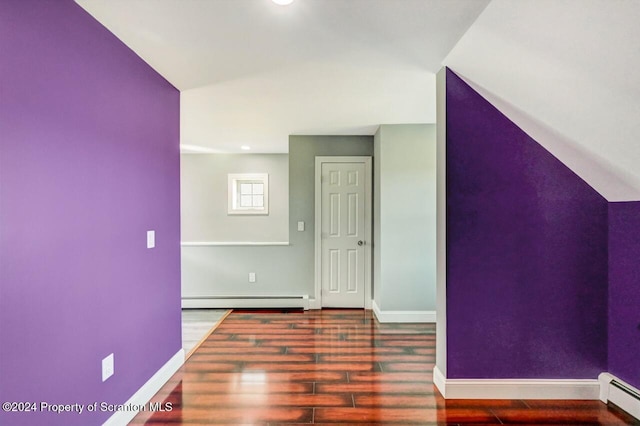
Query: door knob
[[360, 242]]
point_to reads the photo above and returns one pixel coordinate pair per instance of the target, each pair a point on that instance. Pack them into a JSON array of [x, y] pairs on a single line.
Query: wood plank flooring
[[335, 367], [196, 324]]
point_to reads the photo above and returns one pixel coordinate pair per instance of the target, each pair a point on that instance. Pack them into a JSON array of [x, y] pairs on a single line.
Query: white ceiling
[[565, 71], [252, 73]]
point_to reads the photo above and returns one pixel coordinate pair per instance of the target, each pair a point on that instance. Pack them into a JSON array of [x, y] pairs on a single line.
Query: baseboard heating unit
[[619, 393], [257, 302]]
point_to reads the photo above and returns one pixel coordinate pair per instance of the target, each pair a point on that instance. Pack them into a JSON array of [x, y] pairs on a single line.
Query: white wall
[[405, 217], [566, 72], [203, 193], [318, 97]]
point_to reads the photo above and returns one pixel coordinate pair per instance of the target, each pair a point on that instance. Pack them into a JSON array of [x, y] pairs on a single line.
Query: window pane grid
[[248, 194], [251, 194]]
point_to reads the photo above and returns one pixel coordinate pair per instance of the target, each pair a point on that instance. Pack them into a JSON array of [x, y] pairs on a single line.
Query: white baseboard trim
[[147, 391], [317, 304], [516, 388], [239, 302], [440, 381], [403, 316], [620, 393]]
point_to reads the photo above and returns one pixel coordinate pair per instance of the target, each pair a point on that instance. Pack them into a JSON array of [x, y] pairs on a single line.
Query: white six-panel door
[[342, 234]]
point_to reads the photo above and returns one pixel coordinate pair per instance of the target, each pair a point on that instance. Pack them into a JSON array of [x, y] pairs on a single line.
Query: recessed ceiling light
[[282, 2], [245, 147]]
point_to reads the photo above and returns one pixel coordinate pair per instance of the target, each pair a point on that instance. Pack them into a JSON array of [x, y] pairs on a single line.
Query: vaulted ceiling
[[565, 71], [252, 72]]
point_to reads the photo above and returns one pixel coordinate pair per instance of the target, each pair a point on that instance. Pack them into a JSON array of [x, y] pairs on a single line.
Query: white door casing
[[343, 232]]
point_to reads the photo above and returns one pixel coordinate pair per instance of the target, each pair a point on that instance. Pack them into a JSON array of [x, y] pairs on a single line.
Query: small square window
[[248, 193]]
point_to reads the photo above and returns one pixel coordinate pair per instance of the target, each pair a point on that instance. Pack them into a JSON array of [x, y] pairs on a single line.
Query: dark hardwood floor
[[335, 366]]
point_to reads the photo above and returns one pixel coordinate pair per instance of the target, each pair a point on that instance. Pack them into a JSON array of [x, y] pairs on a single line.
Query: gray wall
[[203, 192], [405, 217], [302, 153], [224, 271], [281, 270]]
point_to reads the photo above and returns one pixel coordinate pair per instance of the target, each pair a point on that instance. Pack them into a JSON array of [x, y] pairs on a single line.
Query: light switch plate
[[107, 367], [301, 226], [151, 239]]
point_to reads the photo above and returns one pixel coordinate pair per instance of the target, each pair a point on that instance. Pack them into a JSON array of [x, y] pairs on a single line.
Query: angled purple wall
[[624, 291], [526, 252], [89, 161]]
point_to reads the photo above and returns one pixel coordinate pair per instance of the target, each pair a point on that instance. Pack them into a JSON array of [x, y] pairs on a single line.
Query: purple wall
[[526, 252], [624, 291], [89, 161]]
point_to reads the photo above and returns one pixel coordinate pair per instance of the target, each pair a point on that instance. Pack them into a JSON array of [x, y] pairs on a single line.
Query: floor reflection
[[334, 366]]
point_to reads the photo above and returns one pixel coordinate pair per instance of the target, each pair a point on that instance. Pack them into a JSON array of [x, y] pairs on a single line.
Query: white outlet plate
[[252, 277], [151, 239], [107, 367], [301, 226]]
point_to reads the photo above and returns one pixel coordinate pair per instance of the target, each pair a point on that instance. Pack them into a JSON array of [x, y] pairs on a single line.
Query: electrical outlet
[[301, 226], [252, 277], [107, 367]]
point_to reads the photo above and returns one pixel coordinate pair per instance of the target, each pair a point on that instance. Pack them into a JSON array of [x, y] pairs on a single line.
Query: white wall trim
[[439, 380], [403, 316], [621, 398], [230, 302], [148, 390], [368, 222], [516, 388], [315, 304], [232, 243], [441, 219]]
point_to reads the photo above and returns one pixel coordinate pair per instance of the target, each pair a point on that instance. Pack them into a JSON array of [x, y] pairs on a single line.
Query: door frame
[[368, 222]]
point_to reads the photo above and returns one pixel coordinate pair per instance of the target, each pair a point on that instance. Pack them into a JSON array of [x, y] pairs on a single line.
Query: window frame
[[234, 180]]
